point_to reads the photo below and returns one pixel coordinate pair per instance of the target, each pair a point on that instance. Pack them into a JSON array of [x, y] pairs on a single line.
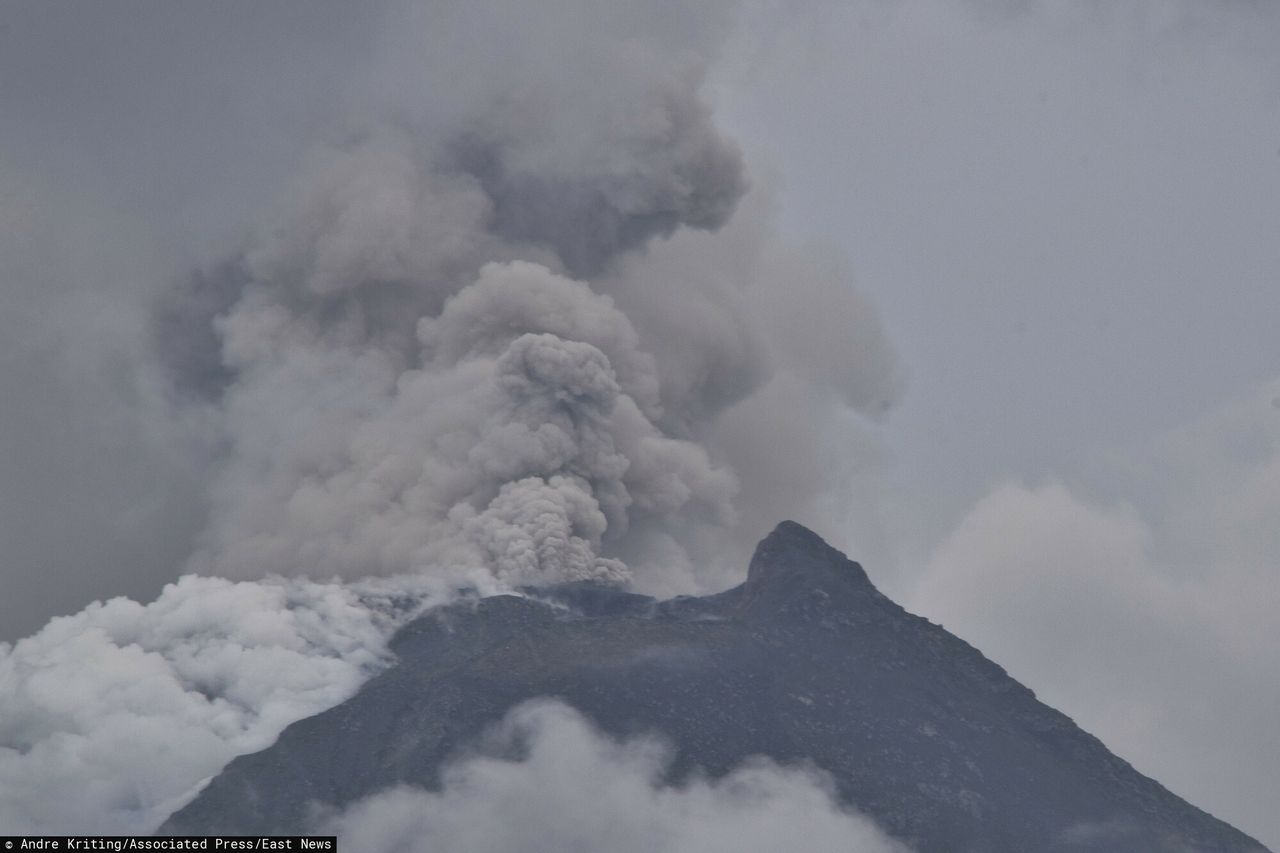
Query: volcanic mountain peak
[[794, 554], [805, 663], [793, 564]]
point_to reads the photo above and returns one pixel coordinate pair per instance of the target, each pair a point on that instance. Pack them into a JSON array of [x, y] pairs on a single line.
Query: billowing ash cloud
[[572, 788], [112, 718], [525, 435], [476, 341]]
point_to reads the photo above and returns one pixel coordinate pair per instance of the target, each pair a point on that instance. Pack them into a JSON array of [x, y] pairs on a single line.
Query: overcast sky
[[1067, 216], [1064, 215]]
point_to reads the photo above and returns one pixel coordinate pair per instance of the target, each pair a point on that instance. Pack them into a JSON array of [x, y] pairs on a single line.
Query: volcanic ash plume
[[525, 434], [424, 365]]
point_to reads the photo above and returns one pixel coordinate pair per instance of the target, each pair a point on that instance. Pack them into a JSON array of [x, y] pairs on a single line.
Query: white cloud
[[112, 718], [572, 788], [1152, 624]]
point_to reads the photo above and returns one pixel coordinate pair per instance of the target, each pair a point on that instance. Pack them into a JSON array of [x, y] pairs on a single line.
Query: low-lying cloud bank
[[547, 780]]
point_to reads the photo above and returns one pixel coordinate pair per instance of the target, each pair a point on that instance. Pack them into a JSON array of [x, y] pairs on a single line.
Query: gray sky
[[1067, 216], [1064, 215]]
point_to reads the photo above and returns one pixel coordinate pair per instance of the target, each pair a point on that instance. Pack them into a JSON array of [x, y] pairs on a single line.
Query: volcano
[[805, 663]]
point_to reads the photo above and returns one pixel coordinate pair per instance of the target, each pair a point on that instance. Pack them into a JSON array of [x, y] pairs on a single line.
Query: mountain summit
[[805, 663]]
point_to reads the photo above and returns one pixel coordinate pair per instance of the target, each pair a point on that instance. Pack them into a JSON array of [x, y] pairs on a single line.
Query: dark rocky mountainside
[[805, 662]]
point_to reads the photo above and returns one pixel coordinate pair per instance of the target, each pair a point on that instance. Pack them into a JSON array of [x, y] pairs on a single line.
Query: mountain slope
[[804, 662]]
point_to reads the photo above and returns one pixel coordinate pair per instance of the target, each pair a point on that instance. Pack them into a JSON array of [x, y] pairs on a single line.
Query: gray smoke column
[[461, 346]]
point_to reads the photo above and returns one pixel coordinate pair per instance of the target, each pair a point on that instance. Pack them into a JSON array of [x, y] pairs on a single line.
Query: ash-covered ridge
[[805, 663]]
